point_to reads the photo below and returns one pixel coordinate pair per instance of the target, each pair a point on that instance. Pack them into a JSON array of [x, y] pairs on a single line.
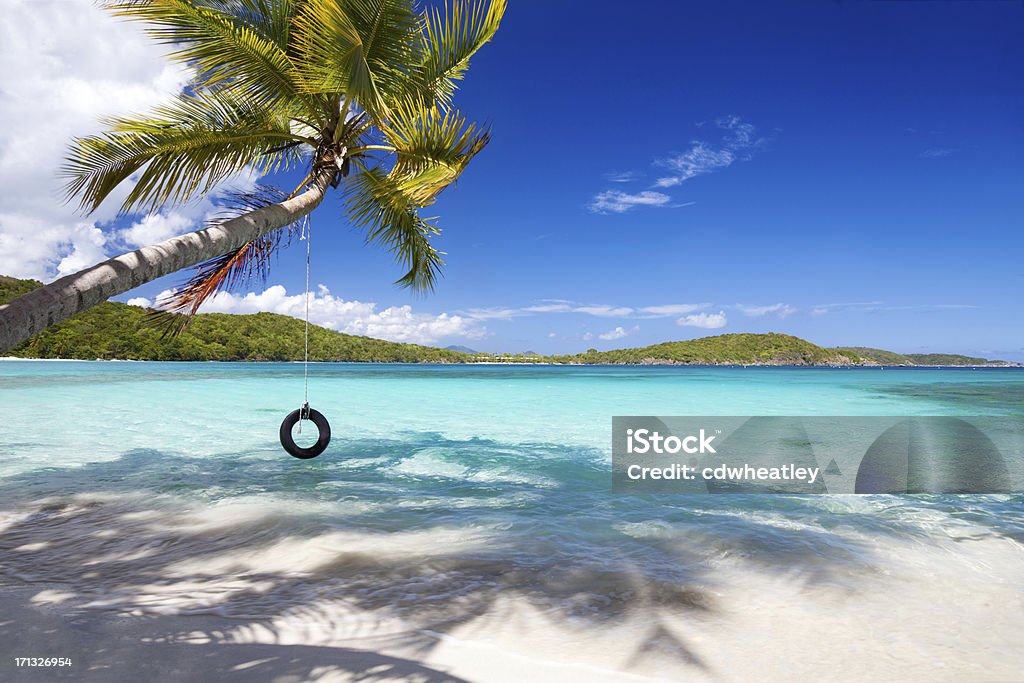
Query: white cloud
[[936, 153], [741, 134], [822, 309], [881, 306], [698, 160], [737, 142], [672, 309], [65, 64], [622, 177], [86, 248], [140, 301], [396, 323], [549, 308], [708, 321], [603, 311], [779, 310], [614, 201], [617, 333], [588, 336], [494, 313], [157, 227], [597, 310]]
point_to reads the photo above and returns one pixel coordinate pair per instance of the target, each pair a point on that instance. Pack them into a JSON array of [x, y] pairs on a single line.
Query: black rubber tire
[[316, 449]]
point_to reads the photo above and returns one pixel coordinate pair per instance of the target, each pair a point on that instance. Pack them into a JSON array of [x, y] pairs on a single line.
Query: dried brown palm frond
[[249, 262]]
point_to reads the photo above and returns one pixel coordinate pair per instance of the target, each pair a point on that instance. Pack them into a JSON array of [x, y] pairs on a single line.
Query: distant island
[[116, 331]]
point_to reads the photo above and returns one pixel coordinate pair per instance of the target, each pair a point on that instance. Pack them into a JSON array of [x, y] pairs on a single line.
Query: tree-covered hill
[[114, 330], [949, 359], [877, 356], [724, 349], [882, 357], [119, 331]]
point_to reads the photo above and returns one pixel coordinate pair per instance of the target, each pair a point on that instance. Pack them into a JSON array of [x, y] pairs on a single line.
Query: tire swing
[[314, 416], [305, 412]]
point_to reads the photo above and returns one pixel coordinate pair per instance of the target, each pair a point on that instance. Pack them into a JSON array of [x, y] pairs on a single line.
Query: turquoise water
[[444, 486]]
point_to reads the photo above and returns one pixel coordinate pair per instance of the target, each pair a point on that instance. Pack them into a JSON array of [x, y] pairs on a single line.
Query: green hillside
[[115, 330], [949, 359], [882, 357], [118, 331], [877, 356], [724, 349], [12, 287]]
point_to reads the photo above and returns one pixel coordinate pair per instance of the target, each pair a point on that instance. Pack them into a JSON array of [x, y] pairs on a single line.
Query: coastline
[[990, 366]]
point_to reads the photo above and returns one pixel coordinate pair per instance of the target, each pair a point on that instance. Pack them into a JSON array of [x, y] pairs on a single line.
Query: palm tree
[[355, 93]]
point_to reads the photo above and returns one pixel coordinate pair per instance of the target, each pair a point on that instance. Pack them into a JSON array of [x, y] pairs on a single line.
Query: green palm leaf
[[382, 205], [354, 50], [424, 137], [182, 149], [448, 40], [242, 42]]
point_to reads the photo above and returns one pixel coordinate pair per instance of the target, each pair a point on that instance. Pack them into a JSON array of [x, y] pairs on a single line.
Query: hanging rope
[[305, 359], [296, 417], [304, 410]]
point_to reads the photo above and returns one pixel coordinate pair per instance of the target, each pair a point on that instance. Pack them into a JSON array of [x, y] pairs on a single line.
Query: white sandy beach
[[133, 591]]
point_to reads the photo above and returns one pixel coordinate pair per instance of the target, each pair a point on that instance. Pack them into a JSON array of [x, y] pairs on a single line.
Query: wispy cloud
[[550, 306], [614, 201], [698, 160], [881, 306], [707, 321], [622, 176], [671, 309], [936, 153], [494, 313], [736, 140], [603, 311], [778, 310]]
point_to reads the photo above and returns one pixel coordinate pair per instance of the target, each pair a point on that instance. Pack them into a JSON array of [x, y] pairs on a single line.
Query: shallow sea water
[[456, 502]]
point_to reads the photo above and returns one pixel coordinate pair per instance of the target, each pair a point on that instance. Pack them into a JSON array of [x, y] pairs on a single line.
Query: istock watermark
[[646, 441], [893, 455]]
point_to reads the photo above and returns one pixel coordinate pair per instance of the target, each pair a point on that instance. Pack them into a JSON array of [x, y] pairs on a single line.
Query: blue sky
[[846, 172]]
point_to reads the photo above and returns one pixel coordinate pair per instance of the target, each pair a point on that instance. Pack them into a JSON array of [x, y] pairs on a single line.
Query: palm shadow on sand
[[111, 538]]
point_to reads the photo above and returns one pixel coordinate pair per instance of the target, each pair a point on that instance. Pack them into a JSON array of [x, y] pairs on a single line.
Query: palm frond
[[426, 137], [330, 58], [249, 262], [385, 208], [270, 19], [448, 40], [182, 149], [243, 42], [354, 50], [388, 29]]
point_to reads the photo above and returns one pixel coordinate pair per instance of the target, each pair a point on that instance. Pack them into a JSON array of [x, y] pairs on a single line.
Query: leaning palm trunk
[[72, 294]]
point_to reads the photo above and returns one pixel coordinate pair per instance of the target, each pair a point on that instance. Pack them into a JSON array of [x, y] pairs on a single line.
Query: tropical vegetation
[[118, 331], [356, 94]]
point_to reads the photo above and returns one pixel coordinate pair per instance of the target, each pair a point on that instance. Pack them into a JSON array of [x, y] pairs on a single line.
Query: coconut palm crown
[[354, 94]]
